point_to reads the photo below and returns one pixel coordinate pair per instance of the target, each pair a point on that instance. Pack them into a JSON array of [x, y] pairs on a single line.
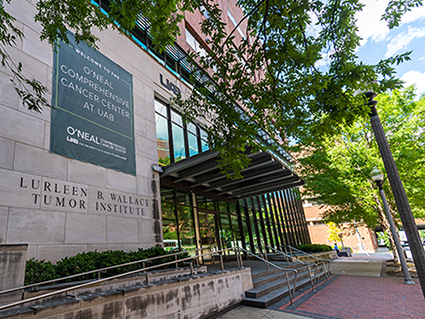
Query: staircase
[[274, 284]]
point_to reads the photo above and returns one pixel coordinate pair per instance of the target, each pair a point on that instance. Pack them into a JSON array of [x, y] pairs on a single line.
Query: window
[[178, 137], [176, 140], [162, 134], [194, 44], [235, 24], [204, 11], [192, 139], [204, 141]]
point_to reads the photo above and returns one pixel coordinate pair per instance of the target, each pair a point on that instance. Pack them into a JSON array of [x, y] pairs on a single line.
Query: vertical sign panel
[[92, 119]]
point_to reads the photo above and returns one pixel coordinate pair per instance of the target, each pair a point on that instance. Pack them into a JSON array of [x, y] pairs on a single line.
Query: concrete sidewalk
[[356, 289]]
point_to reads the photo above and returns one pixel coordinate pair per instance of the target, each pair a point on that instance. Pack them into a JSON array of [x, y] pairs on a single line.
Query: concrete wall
[[32, 179], [187, 297], [12, 265]]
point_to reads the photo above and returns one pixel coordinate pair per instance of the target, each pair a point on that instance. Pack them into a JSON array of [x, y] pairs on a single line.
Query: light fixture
[[377, 175], [157, 168]]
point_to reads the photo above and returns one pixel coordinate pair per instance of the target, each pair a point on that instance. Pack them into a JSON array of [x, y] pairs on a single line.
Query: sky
[[379, 42]]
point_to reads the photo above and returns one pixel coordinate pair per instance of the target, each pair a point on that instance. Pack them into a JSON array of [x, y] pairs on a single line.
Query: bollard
[[221, 261], [191, 270]]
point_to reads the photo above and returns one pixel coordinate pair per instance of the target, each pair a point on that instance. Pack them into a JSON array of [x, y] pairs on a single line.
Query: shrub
[[314, 248], [40, 270]]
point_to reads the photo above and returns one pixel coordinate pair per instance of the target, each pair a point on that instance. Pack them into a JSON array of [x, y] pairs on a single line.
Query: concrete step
[[272, 286], [273, 296], [275, 275], [273, 270], [275, 282], [266, 288]]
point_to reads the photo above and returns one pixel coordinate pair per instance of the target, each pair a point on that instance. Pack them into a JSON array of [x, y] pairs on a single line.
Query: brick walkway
[[349, 297]]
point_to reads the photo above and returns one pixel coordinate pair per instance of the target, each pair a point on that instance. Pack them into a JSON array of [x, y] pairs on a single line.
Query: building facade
[[114, 166], [359, 239]]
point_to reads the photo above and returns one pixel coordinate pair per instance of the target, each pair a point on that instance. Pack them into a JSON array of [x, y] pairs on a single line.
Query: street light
[[400, 197], [378, 177]]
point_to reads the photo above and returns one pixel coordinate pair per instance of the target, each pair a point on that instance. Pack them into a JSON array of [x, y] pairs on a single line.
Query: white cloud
[[402, 40], [372, 27], [411, 16], [369, 21], [415, 78]]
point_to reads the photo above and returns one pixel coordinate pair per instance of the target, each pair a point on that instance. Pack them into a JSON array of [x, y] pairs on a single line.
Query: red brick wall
[[319, 232]]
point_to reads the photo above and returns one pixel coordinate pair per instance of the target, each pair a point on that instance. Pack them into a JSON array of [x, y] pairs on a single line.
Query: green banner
[[92, 119]]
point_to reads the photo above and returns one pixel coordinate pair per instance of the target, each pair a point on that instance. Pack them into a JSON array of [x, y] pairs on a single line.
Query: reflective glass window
[[236, 233], [223, 207], [178, 143], [204, 141], [193, 144], [210, 204], [186, 227], [169, 227], [176, 118], [192, 128], [162, 140], [161, 108], [200, 201], [167, 194], [226, 231], [184, 198]]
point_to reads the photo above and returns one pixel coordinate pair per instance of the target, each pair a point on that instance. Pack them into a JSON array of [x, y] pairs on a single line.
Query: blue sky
[[379, 42]]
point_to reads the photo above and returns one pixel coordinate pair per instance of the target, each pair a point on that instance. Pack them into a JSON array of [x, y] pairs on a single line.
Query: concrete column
[[12, 264]]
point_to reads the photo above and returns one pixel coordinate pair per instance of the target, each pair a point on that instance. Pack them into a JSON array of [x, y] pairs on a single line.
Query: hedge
[[314, 248], [41, 270]]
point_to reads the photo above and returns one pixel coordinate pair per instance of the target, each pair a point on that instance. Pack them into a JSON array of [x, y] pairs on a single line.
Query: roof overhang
[[200, 174]]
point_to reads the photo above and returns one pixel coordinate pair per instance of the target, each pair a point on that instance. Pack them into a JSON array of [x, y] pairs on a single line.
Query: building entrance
[[194, 221]]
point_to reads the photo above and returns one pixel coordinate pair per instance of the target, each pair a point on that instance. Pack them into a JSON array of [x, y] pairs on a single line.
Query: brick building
[[360, 239]]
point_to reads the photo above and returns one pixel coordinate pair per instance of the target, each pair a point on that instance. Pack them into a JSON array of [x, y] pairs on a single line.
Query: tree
[[333, 232], [284, 44], [337, 169]]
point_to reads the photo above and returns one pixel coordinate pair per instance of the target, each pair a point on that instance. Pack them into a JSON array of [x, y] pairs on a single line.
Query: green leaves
[[337, 169], [56, 17], [31, 91], [40, 270], [396, 9], [294, 72]]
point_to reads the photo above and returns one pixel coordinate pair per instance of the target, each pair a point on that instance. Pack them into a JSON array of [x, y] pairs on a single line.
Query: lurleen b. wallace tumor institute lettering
[[93, 116], [60, 195]]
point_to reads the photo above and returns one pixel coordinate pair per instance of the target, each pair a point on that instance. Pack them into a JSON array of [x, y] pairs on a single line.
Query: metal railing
[[268, 263], [294, 252], [312, 276], [141, 271]]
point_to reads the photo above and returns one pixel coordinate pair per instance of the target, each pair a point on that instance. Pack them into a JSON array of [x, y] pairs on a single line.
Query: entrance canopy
[[201, 175]]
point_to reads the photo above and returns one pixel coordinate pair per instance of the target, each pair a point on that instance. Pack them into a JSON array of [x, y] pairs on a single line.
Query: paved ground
[[357, 291]]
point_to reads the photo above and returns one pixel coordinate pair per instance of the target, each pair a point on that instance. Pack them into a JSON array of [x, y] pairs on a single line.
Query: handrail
[[282, 253], [304, 253], [291, 296], [313, 277], [322, 260], [142, 261], [97, 281]]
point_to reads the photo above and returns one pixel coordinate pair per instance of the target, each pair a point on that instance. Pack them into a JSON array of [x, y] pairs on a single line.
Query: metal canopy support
[[200, 173]]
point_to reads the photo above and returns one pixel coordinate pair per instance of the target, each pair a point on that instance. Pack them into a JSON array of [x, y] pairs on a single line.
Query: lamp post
[[378, 177], [399, 193]]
